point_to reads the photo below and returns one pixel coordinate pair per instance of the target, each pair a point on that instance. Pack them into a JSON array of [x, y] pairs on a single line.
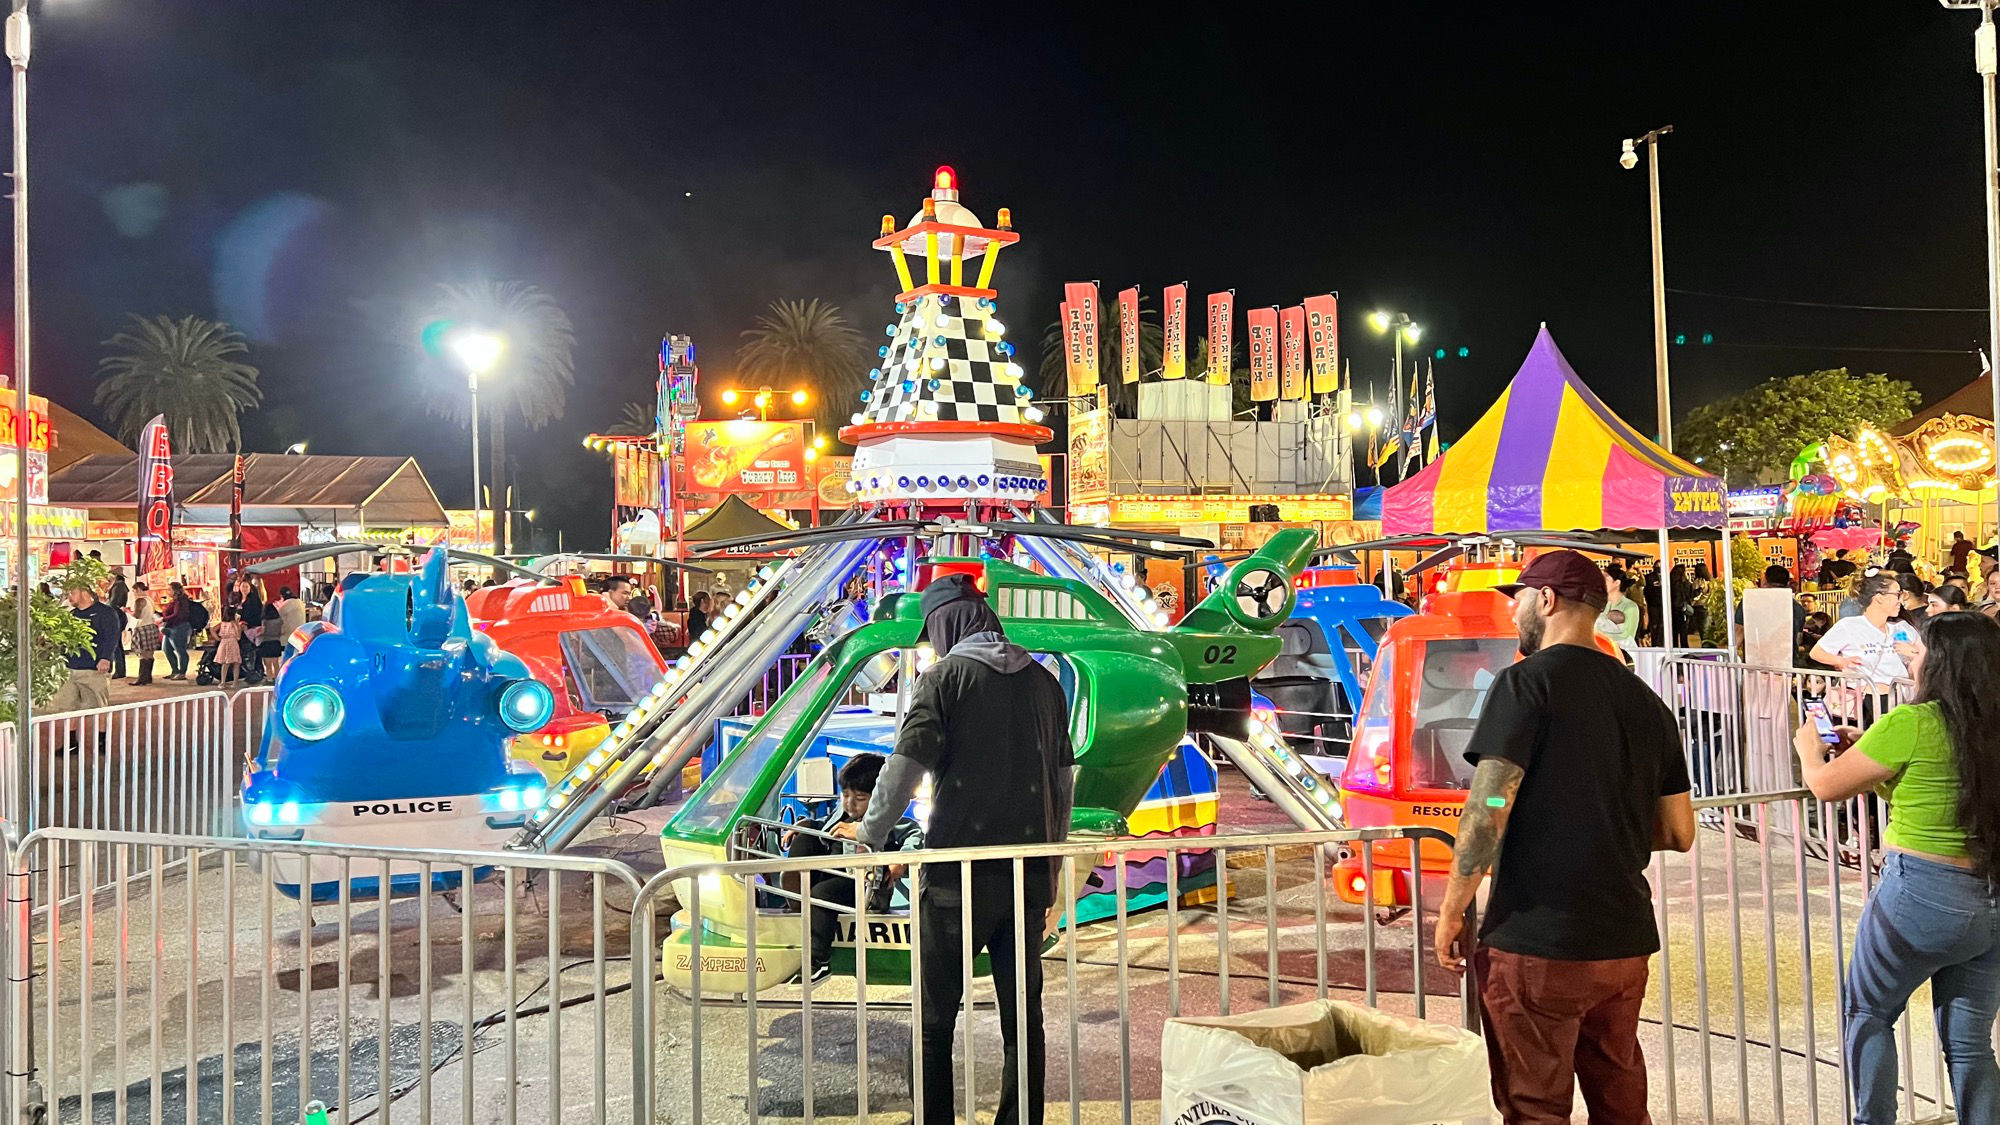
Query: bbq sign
[[156, 497]]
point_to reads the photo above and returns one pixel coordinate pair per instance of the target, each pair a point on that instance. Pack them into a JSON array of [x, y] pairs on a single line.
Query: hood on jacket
[[993, 650]]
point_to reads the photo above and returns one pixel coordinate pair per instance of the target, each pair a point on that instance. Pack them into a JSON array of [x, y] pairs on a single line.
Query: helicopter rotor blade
[[543, 562], [1436, 558], [477, 559], [306, 555], [812, 536]]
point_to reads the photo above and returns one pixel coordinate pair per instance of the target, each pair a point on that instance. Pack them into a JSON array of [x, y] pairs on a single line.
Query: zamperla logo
[[1209, 1113], [400, 808]]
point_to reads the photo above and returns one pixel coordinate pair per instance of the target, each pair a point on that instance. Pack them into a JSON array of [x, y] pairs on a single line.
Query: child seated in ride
[[823, 836]]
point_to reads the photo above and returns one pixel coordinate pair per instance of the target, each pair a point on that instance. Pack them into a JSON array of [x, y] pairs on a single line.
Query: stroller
[[209, 671]]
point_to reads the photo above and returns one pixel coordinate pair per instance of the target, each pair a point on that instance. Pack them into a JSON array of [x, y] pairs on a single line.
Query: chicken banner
[[1323, 342], [156, 498], [1173, 357], [1292, 353], [1263, 353], [1221, 317], [1128, 335], [1080, 336]]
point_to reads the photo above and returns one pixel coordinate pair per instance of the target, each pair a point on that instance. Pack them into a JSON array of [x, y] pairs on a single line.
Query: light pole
[[1402, 326], [17, 54], [1628, 158], [478, 350], [1986, 59], [761, 398]]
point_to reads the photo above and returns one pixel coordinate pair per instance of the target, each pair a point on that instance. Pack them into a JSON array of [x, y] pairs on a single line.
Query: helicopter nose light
[[526, 704], [313, 712]]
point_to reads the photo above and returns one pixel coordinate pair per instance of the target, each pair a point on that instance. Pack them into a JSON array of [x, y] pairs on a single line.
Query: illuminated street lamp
[[762, 398], [477, 350], [1404, 328]]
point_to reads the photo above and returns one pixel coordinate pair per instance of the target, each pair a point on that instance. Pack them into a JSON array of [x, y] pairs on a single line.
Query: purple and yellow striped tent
[[1549, 455]]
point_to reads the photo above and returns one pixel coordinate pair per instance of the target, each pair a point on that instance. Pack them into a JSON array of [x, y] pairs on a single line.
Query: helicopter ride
[[391, 724], [596, 659], [1135, 696], [1406, 765]]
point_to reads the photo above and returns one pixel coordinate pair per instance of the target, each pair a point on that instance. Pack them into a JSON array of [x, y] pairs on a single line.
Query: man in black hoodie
[[991, 727]]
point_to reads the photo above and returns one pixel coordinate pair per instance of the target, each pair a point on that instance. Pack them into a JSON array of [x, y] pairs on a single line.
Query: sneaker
[[819, 973]]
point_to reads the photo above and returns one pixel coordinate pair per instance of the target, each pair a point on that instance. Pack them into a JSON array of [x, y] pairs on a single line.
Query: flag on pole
[[1429, 416], [1411, 427], [1263, 325], [1374, 432], [1392, 421], [1292, 353], [1173, 359], [156, 497], [1221, 320], [1323, 337], [1128, 335]]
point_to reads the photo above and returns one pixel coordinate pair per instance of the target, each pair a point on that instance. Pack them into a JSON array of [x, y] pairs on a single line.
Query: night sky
[[310, 171]]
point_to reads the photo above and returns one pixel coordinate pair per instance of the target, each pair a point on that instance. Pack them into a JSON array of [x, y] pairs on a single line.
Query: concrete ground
[[391, 999]]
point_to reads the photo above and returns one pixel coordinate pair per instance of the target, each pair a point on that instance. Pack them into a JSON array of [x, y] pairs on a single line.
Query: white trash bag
[[1320, 1063]]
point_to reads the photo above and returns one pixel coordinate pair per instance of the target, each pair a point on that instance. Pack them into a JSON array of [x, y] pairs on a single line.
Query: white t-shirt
[[1855, 637]]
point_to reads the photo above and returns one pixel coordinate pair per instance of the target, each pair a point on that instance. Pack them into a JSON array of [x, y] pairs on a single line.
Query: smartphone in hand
[[1815, 709]]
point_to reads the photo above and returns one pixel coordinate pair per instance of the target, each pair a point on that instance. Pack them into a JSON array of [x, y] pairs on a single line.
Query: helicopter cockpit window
[[608, 669], [725, 792], [1451, 690]]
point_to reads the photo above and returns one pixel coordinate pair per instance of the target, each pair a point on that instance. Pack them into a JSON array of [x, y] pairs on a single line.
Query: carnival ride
[[1428, 683], [390, 725]]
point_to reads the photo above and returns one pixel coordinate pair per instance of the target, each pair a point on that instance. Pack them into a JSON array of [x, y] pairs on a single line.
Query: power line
[[1847, 348], [1825, 304]]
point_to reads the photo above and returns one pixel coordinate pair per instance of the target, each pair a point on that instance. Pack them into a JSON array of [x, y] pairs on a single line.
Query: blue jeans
[[177, 648], [1927, 921]]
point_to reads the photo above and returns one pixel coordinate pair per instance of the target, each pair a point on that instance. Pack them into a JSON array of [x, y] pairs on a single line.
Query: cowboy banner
[[1221, 319], [1292, 353], [1263, 353], [1323, 342], [1080, 330], [1173, 361]]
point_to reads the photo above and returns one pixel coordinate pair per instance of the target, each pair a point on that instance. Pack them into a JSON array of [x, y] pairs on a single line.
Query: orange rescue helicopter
[[1407, 764]]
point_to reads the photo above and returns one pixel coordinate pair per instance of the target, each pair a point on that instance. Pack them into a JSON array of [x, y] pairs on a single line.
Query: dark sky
[[308, 170]]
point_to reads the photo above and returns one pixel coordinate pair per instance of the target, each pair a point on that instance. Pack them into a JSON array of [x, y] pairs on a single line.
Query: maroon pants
[[1552, 1026]]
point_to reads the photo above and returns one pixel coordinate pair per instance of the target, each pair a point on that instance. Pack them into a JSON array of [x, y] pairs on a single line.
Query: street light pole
[[17, 54], [478, 504], [1662, 403], [1985, 57]]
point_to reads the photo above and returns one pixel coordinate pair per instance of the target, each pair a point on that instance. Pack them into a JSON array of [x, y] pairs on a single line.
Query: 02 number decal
[[1219, 654]]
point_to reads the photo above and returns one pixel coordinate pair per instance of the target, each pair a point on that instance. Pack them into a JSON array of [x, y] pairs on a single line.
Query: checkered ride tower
[[948, 422]]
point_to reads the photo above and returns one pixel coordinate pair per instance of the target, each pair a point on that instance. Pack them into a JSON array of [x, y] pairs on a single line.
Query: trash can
[[1320, 1063]]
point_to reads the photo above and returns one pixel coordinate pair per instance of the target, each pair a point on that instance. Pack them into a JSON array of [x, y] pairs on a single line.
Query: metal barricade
[[491, 990], [1737, 720], [1241, 923], [1757, 921]]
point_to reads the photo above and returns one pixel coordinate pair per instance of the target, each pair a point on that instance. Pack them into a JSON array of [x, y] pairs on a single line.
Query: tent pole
[[1728, 589], [1667, 637]]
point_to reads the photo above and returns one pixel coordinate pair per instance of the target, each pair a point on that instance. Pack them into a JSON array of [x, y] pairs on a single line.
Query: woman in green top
[[1935, 914]]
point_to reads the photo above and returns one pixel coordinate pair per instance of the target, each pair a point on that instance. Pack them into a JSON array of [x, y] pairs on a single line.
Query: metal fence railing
[[1241, 923], [1737, 720], [490, 991], [1757, 922]]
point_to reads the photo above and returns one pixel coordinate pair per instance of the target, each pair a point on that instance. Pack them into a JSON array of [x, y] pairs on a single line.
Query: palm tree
[[1152, 346], [531, 380], [636, 419], [186, 369], [808, 342]]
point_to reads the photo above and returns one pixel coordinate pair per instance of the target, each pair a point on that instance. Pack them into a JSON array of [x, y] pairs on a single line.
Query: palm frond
[[532, 379], [187, 370]]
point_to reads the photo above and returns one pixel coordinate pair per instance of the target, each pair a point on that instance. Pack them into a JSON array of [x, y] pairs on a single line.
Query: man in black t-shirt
[[1579, 768]]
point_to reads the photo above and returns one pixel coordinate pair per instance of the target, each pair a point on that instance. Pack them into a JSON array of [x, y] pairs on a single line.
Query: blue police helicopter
[[390, 726]]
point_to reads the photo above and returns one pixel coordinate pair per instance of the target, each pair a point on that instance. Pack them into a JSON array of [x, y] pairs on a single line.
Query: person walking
[[1961, 552], [176, 625], [88, 684], [145, 635], [1935, 913], [1579, 770], [991, 728]]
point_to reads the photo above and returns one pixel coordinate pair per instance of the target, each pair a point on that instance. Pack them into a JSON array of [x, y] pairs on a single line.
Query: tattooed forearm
[[1484, 821]]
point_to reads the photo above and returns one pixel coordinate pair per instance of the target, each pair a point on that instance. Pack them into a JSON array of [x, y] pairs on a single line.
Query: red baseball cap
[[1567, 573]]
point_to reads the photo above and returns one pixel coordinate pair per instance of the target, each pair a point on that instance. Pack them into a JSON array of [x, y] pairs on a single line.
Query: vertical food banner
[[1292, 353], [1221, 320], [1173, 356], [1263, 353], [1323, 342], [1080, 336], [156, 498], [1128, 335]]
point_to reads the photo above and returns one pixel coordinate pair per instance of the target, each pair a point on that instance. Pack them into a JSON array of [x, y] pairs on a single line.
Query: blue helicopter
[[390, 726]]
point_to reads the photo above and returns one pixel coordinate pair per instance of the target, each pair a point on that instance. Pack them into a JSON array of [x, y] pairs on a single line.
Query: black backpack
[[197, 615]]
